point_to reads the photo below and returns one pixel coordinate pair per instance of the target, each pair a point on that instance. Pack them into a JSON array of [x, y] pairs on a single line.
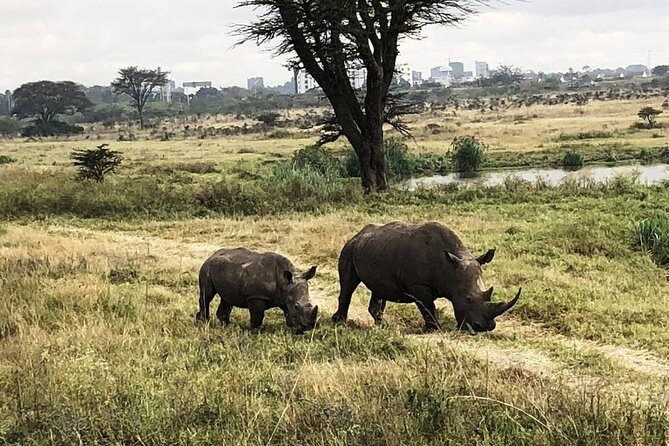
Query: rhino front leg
[[257, 309], [289, 320], [376, 308], [223, 313], [425, 302]]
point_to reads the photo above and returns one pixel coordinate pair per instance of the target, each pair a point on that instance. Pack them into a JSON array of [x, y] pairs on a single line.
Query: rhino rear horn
[[310, 274], [497, 309], [314, 312]]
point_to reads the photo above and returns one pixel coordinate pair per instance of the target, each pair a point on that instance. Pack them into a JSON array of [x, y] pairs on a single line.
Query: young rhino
[[257, 281]]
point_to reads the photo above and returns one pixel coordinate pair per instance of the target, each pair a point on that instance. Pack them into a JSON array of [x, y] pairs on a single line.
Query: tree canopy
[[329, 38], [45, 100], [139, 84]]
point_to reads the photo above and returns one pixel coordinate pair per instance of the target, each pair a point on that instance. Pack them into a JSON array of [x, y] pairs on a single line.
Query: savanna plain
[[98, 286]]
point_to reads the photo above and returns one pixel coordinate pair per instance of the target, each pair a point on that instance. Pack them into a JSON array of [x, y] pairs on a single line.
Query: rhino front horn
[[314, 312], [500, 308]]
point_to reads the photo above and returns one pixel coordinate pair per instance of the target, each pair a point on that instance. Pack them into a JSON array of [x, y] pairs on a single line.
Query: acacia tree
[[139, 85], [329, 37], [44, 100]]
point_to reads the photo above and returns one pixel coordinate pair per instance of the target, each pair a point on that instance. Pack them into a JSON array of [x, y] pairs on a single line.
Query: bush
[[468, 154], [652, 235], [318, 159], [4, 159], [268, 118], [572, 160], [399, 162], [95, 164], [9, 127], [53, 128]]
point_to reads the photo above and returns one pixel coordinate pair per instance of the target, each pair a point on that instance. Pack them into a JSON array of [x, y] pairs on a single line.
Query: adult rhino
[[257, 281], [418, 263]]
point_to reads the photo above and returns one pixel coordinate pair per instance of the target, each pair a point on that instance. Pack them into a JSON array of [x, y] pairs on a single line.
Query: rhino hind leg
[[376, 308], [348, 282], [207, 293], [223, 312]]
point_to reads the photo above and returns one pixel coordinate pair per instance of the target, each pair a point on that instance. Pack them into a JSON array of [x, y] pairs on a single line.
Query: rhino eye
[[468, 299]]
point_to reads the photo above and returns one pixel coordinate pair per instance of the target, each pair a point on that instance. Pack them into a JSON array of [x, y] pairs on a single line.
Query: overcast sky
[[88, 40]]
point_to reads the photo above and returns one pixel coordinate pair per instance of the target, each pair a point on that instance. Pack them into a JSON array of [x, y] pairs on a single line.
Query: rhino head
[[472, 303], [301, 314]]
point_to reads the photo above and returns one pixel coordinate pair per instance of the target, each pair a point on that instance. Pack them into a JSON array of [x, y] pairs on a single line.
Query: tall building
[[358, 77], [481, 70], [167, 89], [442, 75], [405, 72], [458, 69], [304, 82], [255, 83], [416, 78]]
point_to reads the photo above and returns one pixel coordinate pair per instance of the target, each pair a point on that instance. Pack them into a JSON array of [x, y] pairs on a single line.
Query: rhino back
[[389, 259], [239, 275]]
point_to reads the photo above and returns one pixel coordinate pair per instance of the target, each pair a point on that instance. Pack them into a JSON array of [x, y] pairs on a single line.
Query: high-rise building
[[405, 72], [442, 75], [458, 69], [481, 70], [416, 78], [358, 77], [304, 82], [255, 83]]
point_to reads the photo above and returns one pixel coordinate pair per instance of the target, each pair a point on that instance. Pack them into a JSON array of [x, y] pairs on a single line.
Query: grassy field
[[98, 342]]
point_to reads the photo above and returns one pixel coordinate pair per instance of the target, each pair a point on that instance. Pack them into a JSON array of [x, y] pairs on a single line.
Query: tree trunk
[[371, 154], [141, 118]]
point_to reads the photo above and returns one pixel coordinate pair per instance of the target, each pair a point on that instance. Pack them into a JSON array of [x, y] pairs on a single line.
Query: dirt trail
[[188, 256]]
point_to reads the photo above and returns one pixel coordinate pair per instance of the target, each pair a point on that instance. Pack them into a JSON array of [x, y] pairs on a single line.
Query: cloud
[[88, 41]]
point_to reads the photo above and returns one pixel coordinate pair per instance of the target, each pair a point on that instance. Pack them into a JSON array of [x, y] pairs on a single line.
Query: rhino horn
[[497, 309], [314, 312]]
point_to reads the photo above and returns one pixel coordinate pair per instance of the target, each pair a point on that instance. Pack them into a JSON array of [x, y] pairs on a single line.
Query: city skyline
[[75, 44]]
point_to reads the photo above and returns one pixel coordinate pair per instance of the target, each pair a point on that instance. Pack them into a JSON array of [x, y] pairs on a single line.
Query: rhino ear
[[288, 275], [453, 259], [309, 274], [487, 257]]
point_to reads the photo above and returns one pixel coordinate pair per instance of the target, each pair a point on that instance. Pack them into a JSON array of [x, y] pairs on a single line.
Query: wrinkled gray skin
[[418, 264], [257, 281]]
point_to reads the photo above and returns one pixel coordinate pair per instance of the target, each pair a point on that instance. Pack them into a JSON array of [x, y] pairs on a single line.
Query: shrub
[[95, 164], [9, 127], [280, 134], [646, 155], [318, 159], [399, 162], [53, 128], [268, 118], [572, 160], [468, 154], [652, 235], [4, 159]]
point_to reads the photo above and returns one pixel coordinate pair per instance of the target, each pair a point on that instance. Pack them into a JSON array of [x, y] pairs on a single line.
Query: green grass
[[652, 235]]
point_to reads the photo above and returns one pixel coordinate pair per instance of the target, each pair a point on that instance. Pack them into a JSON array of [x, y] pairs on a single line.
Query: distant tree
[[506, 75], [95, 164], [649, 114], [45, 100], [660, 70], [327, 38], [139, 85]]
